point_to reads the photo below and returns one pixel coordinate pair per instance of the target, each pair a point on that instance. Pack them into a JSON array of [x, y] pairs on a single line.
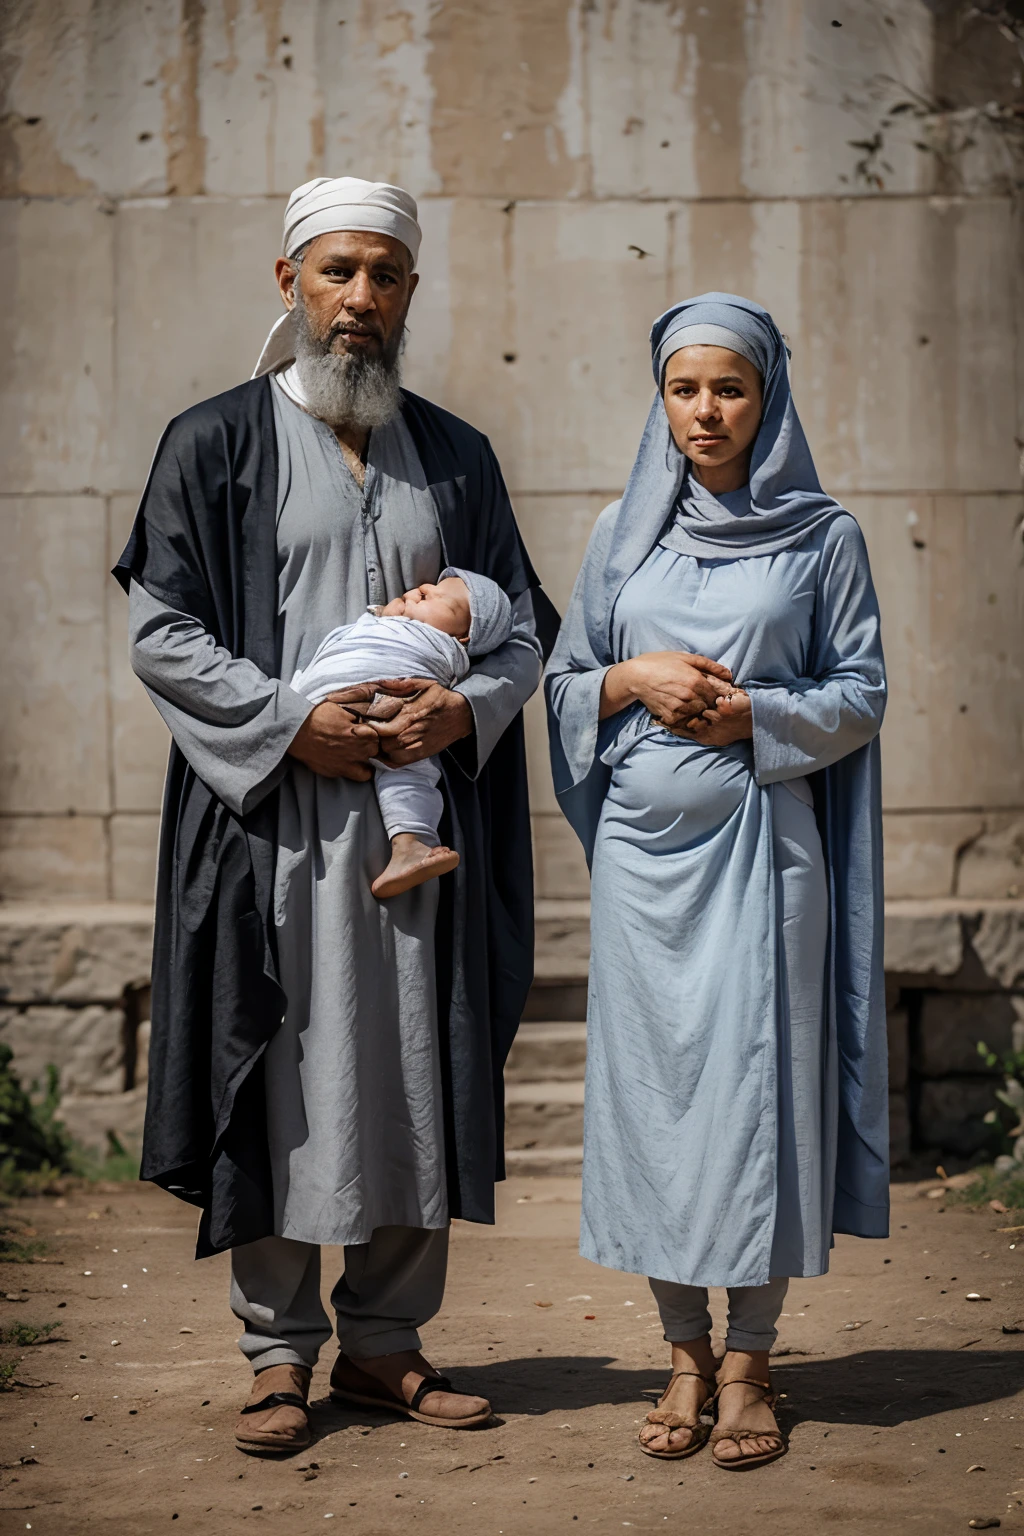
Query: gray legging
[[753, 1312]]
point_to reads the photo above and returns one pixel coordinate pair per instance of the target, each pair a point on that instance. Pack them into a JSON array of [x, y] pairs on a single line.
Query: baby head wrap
[[321, 207], [490, 611]]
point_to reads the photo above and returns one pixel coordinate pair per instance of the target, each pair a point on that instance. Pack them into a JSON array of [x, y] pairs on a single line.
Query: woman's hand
[[674, 685], [732, 719]]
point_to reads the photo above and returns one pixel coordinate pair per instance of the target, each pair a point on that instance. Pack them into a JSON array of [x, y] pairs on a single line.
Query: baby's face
[[443, 605]]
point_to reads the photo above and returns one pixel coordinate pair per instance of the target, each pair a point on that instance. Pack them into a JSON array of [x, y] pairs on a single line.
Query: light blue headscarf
[[783, 501]]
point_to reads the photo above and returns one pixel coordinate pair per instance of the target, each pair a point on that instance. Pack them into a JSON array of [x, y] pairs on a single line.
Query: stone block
[[248, 108], [560, 867], [587, 387], [547, 1052], [951, 1025], [139, 740], [543, 1115], [461, 344], [53, 750], [998, 941], [922, 852], [133, 850], [58, 374], [93, 1120], [196, 297], [992, 864], [90, 98], [543, 804], [945, 567], [898, 1029], [41, 855], [73, 953], [499, 98], [872, 355], [562, 951], [922, 937], [950, 1114], [556, 530], [86, 1045], [899, 1129]]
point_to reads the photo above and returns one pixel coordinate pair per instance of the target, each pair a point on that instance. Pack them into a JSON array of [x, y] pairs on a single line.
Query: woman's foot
[[691, 1385], [412, 863], [663, 1434], [746, 1407]]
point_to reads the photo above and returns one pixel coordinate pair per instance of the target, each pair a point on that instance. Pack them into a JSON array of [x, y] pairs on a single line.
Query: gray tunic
[[353, 1080]]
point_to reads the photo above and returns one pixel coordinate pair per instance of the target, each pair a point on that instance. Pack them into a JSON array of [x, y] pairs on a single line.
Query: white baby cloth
[[372, 650]]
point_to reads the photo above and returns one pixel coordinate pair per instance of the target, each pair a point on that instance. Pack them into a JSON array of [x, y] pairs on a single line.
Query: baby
[[432, 632]]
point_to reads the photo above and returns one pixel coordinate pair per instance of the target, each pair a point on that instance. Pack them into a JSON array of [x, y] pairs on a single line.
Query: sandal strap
[[770, 1397], [739, 1433], [427, 1385], [278, 1400]]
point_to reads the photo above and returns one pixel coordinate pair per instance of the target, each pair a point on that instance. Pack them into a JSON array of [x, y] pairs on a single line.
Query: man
[[327, 1068]]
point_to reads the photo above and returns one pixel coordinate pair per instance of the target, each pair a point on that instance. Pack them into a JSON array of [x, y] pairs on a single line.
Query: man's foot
[[283, 1423], [674, 1428], [401, 1384], [412, 863], [745, 1406]]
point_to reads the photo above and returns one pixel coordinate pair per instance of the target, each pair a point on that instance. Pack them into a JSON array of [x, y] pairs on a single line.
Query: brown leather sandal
[[668, 1420], [349, 1384], [274, 1432], [740, 1432]]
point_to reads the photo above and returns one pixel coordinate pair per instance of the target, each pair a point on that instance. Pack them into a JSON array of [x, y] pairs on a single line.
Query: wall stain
[[186, 146]]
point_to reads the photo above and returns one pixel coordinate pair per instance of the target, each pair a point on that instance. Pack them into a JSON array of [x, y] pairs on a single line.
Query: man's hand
[[731, 720], [425, 725], [333, 742]]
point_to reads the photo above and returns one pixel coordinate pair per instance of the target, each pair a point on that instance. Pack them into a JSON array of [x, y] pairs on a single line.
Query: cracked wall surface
[[580, 164]]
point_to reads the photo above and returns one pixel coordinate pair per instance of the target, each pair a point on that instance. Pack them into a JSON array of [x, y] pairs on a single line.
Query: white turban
[[330, 203], [321, 207]]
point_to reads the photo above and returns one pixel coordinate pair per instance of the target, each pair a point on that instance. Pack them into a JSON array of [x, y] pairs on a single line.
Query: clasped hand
[[691, 695], [337, 741]]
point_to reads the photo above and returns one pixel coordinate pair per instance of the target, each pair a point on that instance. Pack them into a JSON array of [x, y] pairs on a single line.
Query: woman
[[715, 697]]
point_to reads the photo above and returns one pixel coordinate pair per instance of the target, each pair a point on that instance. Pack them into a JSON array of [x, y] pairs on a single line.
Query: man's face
[[356, 288]]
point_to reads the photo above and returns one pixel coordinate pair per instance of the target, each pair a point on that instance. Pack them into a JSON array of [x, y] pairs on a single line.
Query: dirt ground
[[901, 1400]]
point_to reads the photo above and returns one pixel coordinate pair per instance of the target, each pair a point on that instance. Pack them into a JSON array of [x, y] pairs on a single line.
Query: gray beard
[[346, 389]]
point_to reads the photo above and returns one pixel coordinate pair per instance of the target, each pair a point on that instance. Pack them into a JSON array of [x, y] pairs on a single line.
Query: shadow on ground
[[879, 1387]]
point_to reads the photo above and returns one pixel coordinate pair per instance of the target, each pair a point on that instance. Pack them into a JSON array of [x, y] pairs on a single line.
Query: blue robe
[[736, 1113]]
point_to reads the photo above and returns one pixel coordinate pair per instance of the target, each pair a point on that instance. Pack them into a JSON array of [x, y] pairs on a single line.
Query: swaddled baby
[[432, 631]]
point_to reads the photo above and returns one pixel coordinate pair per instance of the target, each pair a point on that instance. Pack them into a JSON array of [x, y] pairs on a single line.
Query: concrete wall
[[580, 164]]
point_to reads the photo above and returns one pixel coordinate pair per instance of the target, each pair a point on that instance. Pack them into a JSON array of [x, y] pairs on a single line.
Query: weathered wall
[[580, 163]]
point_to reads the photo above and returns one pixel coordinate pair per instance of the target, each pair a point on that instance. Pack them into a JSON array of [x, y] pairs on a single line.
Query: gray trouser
[[753, 1312], [390, 1287]]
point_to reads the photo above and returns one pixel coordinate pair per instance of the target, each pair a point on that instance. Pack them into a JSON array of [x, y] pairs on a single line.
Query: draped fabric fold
[[700, 1166]]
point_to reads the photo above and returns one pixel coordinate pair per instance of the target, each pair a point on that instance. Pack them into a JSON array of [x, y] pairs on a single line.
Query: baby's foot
[[412, 862]]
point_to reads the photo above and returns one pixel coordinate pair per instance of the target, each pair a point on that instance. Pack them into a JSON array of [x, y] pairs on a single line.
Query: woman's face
[[713, 404]]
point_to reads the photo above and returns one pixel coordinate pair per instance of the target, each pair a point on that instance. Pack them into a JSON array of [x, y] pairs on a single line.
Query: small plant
[[13, 1250], [35, 1148], [20, 1335], [7, 1370], [1012, 1095]]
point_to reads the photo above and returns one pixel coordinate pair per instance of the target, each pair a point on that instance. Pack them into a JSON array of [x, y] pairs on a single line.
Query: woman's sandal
[[739, 1432], [669, 1420]]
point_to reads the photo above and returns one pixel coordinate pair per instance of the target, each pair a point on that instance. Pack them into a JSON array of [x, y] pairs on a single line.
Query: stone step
[[547, 1052], [546, 1114], [547, 1162]]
